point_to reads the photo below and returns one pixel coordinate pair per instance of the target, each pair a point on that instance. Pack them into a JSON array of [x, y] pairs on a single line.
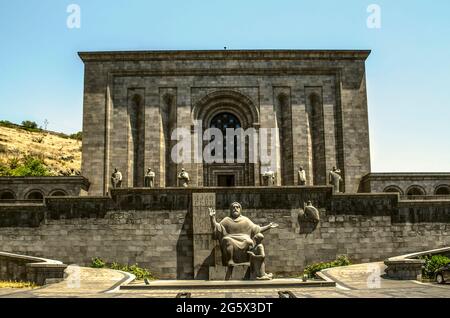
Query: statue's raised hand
[[273, 225], [212, 212]]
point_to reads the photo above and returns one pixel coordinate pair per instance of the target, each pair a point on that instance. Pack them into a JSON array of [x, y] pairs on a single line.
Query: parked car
[[443, 274]]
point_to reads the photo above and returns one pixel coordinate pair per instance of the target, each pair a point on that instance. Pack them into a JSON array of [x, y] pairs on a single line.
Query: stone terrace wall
[[154, 227]]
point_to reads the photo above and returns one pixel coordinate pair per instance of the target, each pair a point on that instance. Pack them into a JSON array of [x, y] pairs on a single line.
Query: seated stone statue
[[235, 234], [257, 258]]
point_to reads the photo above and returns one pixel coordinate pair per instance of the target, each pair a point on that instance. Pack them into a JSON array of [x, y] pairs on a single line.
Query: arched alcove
[[442, 190], [393, 189], [7, 195], [34, 195], [415, 190], [58, 193]]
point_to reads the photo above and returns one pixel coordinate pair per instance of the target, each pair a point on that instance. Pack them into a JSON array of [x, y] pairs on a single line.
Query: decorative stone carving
[[301, 176], [335, 179], [235, 234], [308, 218], [149, 178], [183, 177], [311, 213], [116, 179]]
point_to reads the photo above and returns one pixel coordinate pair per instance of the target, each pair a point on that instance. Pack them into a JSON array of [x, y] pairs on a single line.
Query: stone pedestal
[[237, 272]]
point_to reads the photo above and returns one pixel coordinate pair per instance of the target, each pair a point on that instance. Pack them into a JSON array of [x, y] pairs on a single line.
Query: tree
[[29, 124]]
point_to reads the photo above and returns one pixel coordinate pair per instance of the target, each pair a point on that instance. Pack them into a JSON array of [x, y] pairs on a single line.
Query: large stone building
[[134, 100], [315, 100]]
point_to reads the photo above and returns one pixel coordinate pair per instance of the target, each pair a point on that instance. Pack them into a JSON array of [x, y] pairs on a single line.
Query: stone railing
[[409, 267], [23, 268]]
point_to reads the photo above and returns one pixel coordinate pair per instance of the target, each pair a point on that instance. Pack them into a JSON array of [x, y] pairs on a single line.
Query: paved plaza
[[357, 281]]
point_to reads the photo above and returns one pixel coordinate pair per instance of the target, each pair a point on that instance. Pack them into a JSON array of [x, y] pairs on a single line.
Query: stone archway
[[245, 111], [415, 190]]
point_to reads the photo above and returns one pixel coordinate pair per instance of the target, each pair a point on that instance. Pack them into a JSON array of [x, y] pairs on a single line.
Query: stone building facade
[[133, 102], [408, 184]]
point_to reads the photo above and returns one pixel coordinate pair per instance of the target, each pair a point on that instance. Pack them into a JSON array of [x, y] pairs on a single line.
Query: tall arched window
[[316, 122], [223, 121], [137, 140]]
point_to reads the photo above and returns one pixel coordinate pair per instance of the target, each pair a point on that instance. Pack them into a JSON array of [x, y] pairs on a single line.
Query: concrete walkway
[[353, 282], [81, 282]]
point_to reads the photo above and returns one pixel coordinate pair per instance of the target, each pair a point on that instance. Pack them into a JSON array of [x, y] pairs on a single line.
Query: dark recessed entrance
[[226, 181]]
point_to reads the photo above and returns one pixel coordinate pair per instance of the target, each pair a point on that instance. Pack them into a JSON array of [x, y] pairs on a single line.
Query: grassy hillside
[[59, 153]]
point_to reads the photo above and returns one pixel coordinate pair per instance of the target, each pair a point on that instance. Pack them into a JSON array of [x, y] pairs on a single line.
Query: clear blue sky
[[41, 76]]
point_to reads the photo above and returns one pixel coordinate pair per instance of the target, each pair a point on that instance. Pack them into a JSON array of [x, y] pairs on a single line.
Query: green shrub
[[31, 167], [6, 123], [98, 263], [77, 136], [139, 272], [313, 269], [25, 167], [433, 263]]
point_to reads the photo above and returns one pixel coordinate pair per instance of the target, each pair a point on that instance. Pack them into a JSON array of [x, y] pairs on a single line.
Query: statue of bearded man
[[235, 234]]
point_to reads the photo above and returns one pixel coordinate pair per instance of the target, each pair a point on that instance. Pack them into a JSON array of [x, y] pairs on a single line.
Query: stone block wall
[[155, 228]]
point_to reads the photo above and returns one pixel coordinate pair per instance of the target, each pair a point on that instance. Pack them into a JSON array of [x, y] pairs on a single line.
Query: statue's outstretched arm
[[269, 227]]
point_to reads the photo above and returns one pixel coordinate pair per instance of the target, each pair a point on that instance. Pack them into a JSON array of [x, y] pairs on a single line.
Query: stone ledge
[[28, 268], [196, 284], [225, 55]]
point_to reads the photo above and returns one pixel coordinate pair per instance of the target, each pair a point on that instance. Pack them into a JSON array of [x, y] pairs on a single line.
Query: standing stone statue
[[269, 177], [257, 260], [235, 234], [335, 179], [149, 178], [116, 179], [301, 177], [183, 177]]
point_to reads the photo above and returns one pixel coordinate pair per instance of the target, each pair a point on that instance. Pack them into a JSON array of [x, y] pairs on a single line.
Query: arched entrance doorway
[[224, 110]]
